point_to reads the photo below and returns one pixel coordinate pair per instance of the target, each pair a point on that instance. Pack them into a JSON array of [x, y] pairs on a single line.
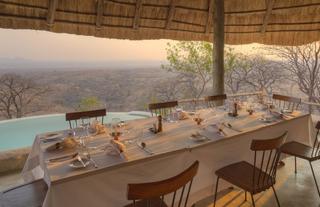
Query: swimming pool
[[18, 133]]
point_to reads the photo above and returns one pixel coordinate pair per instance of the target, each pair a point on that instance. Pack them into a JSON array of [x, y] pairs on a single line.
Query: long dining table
[[173, 150]]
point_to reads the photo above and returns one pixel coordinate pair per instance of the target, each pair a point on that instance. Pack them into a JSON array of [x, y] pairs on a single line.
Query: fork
[[92, 160], [81, 161]]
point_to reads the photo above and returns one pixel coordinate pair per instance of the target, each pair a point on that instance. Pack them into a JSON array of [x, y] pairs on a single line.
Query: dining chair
[[163, 108], [286, 102], [210, 100], [259, 176], [304, 152], [75, 116], [29, 194], [152, 194]]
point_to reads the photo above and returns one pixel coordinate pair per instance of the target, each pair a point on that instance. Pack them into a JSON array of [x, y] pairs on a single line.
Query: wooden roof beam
[[270, 4], [53, 4], [137, 14], [209, 17], [100, 9], [170, 14]]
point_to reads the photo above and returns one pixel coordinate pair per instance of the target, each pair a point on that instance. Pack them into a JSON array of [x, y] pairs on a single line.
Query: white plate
[[52, 136], [78, 165], [267, 120], [286, 111], [198, 138]]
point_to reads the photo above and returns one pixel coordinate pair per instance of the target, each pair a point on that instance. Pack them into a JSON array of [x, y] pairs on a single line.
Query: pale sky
[[41, 45]]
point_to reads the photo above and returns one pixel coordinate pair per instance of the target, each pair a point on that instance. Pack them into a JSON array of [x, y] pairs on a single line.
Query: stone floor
[[293, 190]]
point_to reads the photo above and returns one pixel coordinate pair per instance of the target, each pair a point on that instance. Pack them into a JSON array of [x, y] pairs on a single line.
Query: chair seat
[[153, 203], [241, 175], [299, 150], [31, 195]]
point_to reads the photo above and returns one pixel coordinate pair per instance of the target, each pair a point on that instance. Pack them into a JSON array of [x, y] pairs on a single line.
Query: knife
[[230, 127], [63, 158], [144, 148]]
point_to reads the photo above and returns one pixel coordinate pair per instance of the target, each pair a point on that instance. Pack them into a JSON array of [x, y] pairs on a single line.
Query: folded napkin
[[118, 145], [182, 115], [213, 130], [118, 149], [67, 143], [97, 128]]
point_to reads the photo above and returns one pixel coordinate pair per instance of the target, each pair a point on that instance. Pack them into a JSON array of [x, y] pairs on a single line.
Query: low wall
[[13, 160]]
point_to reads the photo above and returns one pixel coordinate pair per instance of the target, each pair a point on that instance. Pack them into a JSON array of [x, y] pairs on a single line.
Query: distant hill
[[9, 64], [118, 89]]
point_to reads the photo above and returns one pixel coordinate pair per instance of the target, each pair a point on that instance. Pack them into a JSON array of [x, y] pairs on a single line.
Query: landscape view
[[178, 70], [182, 71]]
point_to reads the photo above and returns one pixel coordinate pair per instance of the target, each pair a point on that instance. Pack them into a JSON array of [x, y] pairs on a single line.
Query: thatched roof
[[281, 22]]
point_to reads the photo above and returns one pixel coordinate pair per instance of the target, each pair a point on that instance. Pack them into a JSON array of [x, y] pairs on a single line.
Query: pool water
[[18, 133]]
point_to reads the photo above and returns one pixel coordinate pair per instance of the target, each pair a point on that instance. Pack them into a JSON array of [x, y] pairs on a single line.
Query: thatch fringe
[[291, 22]]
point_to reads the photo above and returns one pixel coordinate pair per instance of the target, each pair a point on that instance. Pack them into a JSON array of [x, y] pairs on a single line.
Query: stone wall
[[13, 160]]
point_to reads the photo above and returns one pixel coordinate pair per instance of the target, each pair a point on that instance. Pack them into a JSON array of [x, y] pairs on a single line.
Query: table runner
[[174, 152]]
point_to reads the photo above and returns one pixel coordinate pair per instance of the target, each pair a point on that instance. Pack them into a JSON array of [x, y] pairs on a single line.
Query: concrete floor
[[293, 190], [10, 180]]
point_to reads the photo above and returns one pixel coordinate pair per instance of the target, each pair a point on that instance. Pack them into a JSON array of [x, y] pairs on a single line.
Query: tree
[[262, 74], [16, 94], [303, 62], [192, 61], [236, 65], [89, 103], [169, 89]]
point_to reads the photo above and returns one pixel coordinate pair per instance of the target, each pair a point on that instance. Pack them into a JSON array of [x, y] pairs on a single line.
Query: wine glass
[[133, 136], [85, 122], [115, 125]]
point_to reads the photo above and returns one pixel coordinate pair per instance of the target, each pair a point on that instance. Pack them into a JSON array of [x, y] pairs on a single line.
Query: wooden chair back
[[148, 191], [286, 102], [75, 116], [210, 100], [316, 144], [163, 108], [266, 158]]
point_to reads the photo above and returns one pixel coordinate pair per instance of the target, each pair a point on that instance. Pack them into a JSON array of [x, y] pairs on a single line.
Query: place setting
[[79, 148]]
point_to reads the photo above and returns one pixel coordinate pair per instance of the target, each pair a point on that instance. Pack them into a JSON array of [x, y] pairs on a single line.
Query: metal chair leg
[[253, 204], [295, 165], [216, 192], [314, 177], [275, 194]]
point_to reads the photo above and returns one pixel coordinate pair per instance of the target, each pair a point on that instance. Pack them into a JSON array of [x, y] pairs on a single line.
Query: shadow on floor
[[294, 190]]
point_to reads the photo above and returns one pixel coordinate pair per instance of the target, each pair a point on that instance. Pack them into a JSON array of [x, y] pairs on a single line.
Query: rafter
[[210, 16], [53, 4], [100, 9], [137, 14], [170, 14], [270, 4]]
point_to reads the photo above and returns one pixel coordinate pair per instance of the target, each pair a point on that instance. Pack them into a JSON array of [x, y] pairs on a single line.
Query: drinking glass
[[85, 123], [133, 136]]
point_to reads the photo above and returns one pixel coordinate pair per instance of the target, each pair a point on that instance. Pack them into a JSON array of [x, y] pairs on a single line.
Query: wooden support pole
[[209, 17], [270, 4], [137, 14], [100, 9], [53, 4], [170, 14], [218, 44]]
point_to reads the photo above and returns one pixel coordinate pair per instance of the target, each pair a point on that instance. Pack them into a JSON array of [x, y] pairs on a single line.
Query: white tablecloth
[[107, 186]]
